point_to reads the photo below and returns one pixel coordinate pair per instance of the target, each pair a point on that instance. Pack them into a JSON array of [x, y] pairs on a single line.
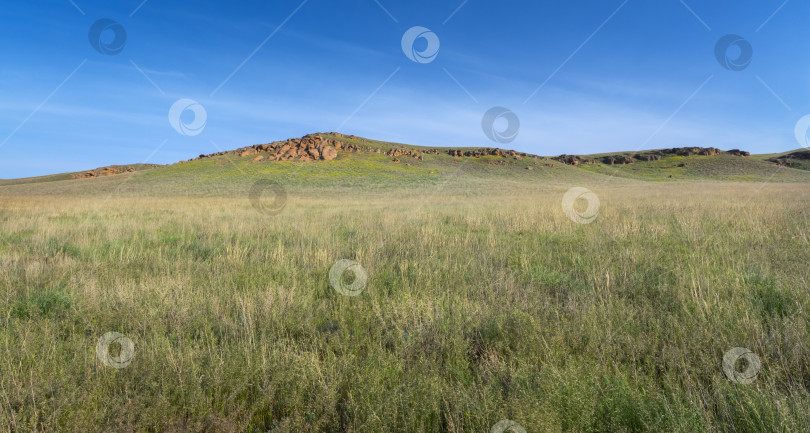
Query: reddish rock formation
[[310, 147], [105, 171], [328, 153]]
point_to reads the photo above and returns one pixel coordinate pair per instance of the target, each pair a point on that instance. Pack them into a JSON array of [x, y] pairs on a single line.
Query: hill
[[330, 160]]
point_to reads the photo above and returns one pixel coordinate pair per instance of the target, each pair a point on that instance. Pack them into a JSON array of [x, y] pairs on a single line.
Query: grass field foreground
[[480, 306]]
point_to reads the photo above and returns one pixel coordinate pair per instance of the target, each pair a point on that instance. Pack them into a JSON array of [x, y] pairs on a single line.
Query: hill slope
[[333, 160]]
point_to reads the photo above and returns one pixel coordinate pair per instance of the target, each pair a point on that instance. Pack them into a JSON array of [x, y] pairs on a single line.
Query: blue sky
[[605, 75]]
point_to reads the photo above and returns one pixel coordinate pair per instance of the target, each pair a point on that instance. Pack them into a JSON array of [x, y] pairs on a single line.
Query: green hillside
[[226, 173], [76, 175]]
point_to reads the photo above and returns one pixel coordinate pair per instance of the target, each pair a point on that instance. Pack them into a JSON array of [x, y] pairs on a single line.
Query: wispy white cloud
[[572, 123]]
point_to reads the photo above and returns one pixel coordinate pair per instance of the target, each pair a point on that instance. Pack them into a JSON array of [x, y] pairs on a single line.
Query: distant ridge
[[323, 147]]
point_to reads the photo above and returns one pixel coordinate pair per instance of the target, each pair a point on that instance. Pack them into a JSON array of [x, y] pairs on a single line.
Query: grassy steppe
[[484, 302]]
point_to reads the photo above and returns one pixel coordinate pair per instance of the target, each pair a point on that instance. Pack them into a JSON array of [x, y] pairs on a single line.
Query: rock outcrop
[[312, 147], [487, 151], [655, 155], [104, 171], [738, 152], [790, 159], [618, 159], [573, 160]]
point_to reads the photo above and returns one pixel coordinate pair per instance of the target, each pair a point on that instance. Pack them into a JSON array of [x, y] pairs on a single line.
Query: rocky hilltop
[[328, 146], [311, 147]]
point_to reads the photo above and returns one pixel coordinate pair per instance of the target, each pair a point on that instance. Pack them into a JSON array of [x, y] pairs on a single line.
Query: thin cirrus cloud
[[564, 122], [569, 130]]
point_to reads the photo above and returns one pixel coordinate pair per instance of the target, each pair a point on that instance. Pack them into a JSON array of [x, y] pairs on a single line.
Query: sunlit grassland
[[483, 303]]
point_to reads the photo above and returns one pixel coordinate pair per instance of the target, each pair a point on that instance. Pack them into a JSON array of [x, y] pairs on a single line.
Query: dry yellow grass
[[482, 304]]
